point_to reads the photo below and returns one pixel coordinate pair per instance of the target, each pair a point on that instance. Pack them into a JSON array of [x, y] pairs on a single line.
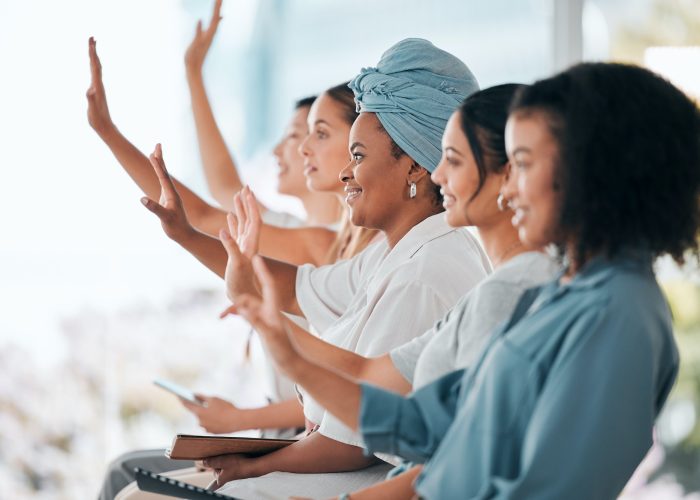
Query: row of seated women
[[531, 364]]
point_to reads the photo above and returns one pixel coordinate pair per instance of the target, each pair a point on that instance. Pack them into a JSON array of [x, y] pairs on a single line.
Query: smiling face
[[325, 147], [376, 184], [291, 179], [533, 153], [458, 177]]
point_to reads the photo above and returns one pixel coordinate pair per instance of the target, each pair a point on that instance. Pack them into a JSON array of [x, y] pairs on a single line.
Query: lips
[[309, 170], [447, 199], [352, 193], [518, 216]]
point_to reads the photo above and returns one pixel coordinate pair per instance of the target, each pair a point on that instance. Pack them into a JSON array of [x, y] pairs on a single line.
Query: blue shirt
[[560, 404]]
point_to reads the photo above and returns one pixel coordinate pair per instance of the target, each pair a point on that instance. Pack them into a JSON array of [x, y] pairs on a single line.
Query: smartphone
[[179, 391]]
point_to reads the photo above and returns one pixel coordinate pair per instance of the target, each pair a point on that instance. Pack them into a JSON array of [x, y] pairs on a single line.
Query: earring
[[412, 190], [501, 202]]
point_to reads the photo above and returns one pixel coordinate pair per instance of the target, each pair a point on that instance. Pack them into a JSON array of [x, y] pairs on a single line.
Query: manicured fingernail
[[144, 201]]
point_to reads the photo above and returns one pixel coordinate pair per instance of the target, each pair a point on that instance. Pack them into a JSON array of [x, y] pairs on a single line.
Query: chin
[[455, 220]]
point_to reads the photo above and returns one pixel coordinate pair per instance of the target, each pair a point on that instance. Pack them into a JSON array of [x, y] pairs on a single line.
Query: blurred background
[[95, 301]]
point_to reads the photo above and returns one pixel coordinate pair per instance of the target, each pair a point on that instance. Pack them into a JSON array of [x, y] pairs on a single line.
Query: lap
[[285, 484]]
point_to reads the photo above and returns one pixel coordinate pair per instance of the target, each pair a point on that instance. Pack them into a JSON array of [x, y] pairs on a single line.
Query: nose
[[438, 175], [277, 150], [346, 175], [304, 146]]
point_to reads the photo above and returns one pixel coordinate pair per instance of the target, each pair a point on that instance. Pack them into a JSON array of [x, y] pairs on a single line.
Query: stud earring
[[501, 202], [412, 190]]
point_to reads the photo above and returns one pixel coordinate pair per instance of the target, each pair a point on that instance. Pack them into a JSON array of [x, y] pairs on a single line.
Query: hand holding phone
[[178, 391]]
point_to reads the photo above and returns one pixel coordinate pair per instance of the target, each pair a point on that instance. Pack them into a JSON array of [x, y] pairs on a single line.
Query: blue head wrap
[[413, 90]]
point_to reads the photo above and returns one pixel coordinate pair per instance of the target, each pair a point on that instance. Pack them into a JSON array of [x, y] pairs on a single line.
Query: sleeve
[[594, 417], [405, 357], [324, 293], [411, 427], [399, 315]]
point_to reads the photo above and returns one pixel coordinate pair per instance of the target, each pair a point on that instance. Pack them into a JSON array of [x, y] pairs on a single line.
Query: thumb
[[231, 310], [154, 207]]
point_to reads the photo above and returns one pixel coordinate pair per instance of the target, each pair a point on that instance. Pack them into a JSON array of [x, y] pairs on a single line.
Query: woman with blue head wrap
[[396, 289]]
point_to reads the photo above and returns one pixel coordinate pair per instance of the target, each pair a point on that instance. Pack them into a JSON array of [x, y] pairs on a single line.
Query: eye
[[321, 134], [357, 157], [452, 161]]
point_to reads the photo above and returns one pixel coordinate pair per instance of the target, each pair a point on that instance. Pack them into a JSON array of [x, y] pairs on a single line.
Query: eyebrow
[[322, 122], [450, 148], [521, 149], [356, 145]]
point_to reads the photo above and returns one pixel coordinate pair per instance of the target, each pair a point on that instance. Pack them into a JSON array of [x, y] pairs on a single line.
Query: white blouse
[[383, 298]]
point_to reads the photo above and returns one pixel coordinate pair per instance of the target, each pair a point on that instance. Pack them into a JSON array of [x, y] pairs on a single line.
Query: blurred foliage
[[668, 22]]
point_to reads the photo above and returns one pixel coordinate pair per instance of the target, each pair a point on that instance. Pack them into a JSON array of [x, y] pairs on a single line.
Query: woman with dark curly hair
[[562, 400]]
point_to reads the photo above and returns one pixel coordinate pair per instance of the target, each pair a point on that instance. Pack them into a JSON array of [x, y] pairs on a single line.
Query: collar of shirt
[[594, 274], [425, 231]]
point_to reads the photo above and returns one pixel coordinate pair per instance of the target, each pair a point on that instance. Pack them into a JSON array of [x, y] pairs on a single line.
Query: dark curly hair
[[629, 160], [483, 116]]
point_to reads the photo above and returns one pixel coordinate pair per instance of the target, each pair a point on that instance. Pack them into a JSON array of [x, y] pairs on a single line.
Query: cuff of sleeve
[[379, 419]]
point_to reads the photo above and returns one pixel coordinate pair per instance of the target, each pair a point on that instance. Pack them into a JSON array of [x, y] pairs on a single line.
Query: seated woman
[[562, 400], [397, 288], [473, 169]]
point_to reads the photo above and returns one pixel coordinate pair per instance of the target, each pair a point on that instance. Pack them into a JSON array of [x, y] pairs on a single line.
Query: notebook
[[192, 447], [155, 483]]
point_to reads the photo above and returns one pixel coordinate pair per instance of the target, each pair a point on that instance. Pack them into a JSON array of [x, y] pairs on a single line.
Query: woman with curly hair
[[561, 402]]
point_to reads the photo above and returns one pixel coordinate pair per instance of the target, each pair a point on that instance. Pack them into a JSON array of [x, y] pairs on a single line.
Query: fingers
[[215, 18], [154, 207], [198, 29], [231, 310], [166, 183], [232, 221], [95, 65], [254, 217], [241, 215], [234, 253]]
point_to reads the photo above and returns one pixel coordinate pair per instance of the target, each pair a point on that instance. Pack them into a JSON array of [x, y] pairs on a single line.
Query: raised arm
[[220, 170], [379, 371], [296, 246], [202, 215]]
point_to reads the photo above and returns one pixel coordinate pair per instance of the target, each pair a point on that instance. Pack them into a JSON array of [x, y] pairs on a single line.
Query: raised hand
[[248, 222], [169, 208], [265, 316], [239, 274], [197, 51], [217, 416], [98, 112]]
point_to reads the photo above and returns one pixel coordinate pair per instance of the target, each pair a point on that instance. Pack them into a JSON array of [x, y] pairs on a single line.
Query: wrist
[[193, 73]]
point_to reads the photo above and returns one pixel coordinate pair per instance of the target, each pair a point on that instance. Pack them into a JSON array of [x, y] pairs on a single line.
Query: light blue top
[[560, 403]]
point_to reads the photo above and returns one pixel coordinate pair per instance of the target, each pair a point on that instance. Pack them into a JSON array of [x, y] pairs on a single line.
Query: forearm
[[202, 215], [285, 276], [348, 362], [219, 168], [336, 392], [287, 414], [313, 454], [399, 487], [208, 250], [296, 246]]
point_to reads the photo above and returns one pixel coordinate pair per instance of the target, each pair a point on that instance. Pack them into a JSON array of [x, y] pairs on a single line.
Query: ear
[[506, 174], [416, 173]]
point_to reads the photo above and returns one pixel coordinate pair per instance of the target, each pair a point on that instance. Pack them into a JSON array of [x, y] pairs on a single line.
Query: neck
[[501, 241], [322, 209], [403, 224]]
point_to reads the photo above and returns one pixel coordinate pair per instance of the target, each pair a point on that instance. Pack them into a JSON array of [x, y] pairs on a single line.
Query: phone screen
[[178, 390]]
